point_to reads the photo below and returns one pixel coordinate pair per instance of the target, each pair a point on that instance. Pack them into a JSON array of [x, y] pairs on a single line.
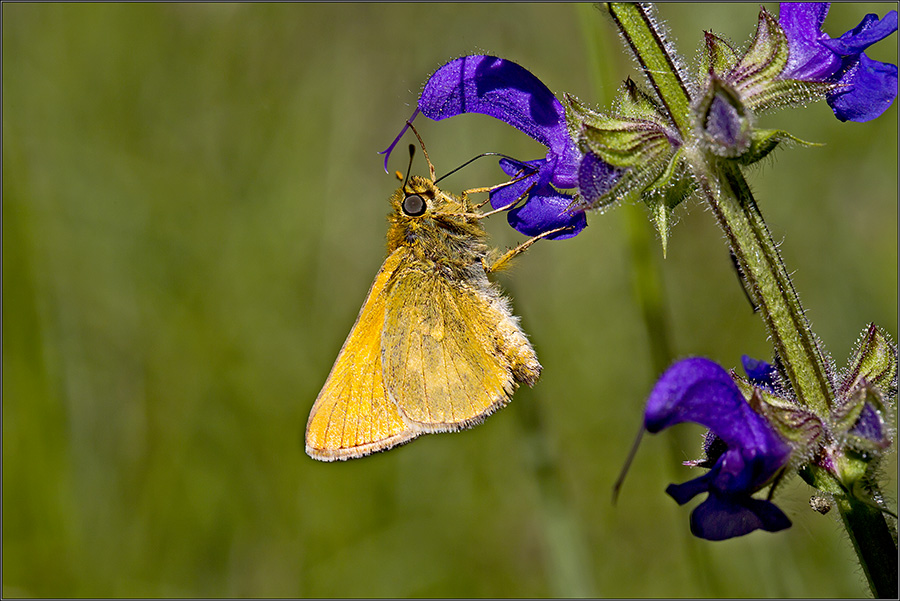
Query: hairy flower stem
[[729, 196], [874, 544], [727, 193], [642, 34], [725, 190]]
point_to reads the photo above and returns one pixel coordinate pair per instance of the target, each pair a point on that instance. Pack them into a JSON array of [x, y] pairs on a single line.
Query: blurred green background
[[193, 211]]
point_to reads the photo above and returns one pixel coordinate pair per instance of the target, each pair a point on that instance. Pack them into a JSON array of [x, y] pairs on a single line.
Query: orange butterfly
[[435, 347]]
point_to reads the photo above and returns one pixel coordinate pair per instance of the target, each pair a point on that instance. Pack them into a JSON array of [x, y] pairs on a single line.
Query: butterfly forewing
[[353, 414]]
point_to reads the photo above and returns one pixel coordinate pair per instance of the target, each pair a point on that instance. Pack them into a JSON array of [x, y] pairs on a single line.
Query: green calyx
[[795, 423], [634, 135], [755, 76], [865, 397], [857, 431], [874, 362], [638, 138]]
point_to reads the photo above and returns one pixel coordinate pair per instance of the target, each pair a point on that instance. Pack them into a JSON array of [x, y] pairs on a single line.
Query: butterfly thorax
[[445, 233]]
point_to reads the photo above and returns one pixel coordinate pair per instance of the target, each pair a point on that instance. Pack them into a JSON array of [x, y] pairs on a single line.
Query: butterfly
[[435, 347]]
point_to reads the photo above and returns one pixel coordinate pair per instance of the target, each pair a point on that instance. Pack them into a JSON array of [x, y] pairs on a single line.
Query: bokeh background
[[193, 211]]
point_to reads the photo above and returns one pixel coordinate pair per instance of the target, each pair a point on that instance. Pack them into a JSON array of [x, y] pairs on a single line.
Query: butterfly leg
[[502, 262]]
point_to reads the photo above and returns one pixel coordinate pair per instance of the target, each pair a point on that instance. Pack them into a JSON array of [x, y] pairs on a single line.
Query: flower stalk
[[643, 36], [722, 186], [726, 191]]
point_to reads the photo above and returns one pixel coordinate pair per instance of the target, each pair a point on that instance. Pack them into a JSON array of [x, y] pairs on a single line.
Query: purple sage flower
[[747, 455], [506, 91], [759, 372], [868, 87]]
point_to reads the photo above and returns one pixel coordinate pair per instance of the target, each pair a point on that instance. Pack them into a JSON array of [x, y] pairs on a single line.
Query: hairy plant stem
[[723, 187], [728, 195], [726, 192]]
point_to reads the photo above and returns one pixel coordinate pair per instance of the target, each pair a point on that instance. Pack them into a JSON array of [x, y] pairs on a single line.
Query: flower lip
[[868, 87], [501, 89], [546, 208], [699, 390]]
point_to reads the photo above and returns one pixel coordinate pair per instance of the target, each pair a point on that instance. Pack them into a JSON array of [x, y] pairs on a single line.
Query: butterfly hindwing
[[452, 352]]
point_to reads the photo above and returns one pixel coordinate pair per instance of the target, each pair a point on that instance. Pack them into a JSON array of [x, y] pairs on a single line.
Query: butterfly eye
[[414, 205]]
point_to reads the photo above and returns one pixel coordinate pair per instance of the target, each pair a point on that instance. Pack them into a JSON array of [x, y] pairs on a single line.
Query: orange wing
[[353, 414], [453, 353]]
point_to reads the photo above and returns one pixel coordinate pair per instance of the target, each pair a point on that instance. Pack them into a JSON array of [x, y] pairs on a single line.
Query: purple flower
[[759, 372], [868, 87], [749, 453], [870, 427], [504, 90]]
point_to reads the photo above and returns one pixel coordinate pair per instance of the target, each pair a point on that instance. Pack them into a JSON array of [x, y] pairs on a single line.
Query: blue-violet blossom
[[867, 87], [506, 91], [748, 455]]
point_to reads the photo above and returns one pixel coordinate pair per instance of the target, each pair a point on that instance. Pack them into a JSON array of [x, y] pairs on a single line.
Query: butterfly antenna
[[473, 159], [424, 151], [412, 153]]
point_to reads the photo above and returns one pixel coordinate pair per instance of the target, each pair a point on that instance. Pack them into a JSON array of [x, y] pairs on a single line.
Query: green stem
[[873, 543], [873, 536], [729, 197], [731, 201], [644, 36], [725, 190]]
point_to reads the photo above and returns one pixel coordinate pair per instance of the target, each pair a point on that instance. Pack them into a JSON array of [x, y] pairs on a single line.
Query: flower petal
[[527, 174], [870, 30], [596, 177], [701, 391], [684, 492], [871, 87], [870, 427], [720, 518], [867, 87], [545, 208], [501, 89], [760, 372], [808, 59]]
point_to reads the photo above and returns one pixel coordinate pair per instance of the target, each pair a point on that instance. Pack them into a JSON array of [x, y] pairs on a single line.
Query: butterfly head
[[425, 215]]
